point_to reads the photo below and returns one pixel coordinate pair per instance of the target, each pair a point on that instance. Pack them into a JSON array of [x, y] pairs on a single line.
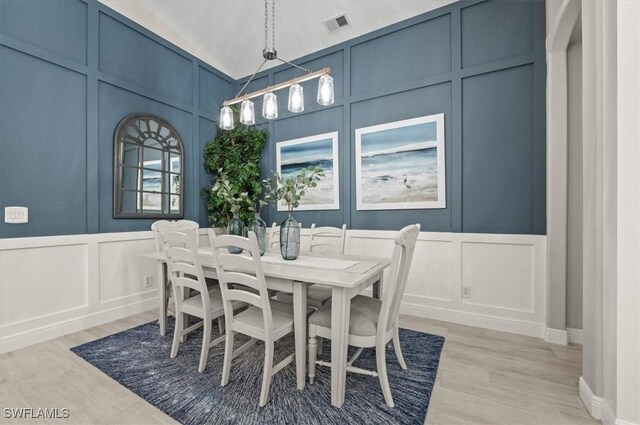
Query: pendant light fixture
[[295, 104], [247, 113]]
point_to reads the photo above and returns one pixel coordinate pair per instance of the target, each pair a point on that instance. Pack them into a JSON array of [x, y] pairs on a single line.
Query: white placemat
[[309, 261]]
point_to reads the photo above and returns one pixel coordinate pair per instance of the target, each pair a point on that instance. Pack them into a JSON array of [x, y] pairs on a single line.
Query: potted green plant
[[235, 153], [234, 202], [291, 190]]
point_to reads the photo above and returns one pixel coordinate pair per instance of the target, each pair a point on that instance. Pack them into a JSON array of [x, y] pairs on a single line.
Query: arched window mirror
[[148, 169]]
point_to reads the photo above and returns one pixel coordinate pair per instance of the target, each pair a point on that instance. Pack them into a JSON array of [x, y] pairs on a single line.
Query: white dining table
[[346, 275]]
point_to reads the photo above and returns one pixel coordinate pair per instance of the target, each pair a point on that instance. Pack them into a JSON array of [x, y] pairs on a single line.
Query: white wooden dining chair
[[185, 271], [323, 239], [157, 228], [265, 320], [273, 242], [373, 322]]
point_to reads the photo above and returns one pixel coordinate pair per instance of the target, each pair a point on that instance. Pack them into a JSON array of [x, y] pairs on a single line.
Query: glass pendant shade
[[270, 106], [325, 90], [247, 113], [226, 118], [296, 98]]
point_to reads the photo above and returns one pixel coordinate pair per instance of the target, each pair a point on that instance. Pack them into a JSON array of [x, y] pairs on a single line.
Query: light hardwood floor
[[485, 377]]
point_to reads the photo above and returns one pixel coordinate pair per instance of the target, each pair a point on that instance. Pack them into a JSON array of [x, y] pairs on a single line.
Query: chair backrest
[[273, 242], [163, 225], [396, 281], [183, 263], [328, 239], [238, 273]]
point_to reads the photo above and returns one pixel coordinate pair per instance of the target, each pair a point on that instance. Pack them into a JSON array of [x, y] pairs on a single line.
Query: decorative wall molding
[[110, 280]]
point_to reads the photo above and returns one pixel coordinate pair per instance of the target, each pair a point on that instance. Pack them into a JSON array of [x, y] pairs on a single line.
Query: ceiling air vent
[[336, 23]]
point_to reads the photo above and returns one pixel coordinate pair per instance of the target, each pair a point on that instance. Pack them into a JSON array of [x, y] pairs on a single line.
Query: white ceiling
[[229, 34]]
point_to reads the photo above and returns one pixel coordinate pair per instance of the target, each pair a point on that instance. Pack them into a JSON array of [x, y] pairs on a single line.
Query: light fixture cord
[[266, 42], [266, 20], [273, 25]]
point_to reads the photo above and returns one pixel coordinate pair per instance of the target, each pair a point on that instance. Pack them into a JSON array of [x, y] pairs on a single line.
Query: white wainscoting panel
[[30, 282], [119, 276], [506, 275], [51, 286]]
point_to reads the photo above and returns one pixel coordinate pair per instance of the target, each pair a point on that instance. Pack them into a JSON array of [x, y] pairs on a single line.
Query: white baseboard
[[59, 329], [575, 335], [556, 336], [592, 402], [607, 415], [495, 323]]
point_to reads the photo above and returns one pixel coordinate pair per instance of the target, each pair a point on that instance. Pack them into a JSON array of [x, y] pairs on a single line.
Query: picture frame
[[401, 164], [317, 150]]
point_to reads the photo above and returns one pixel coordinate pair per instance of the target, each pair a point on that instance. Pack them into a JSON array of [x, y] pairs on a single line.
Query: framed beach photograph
[[401, 165], [314, 151]]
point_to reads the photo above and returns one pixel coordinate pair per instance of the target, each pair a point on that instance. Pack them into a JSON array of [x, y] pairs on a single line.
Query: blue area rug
[[138, 358]]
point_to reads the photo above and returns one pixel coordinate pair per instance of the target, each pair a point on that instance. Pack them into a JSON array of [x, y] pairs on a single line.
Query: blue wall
[[70, 70], [482, 63]]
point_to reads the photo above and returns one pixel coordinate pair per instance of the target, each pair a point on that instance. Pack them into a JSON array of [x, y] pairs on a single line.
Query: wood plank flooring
[[485, 377]]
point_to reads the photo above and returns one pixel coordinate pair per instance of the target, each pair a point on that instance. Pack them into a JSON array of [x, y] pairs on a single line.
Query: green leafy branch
[[230, 195], [291, 189]]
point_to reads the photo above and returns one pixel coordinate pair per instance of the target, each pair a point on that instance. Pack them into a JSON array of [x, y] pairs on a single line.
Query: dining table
[[347, 276]]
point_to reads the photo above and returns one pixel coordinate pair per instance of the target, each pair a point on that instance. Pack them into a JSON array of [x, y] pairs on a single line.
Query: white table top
[[347, 271]]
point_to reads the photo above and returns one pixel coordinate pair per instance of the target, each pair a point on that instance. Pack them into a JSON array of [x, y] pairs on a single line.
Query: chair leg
[[206, 340], [177, 335], [313, 352], [320, 345], [228, 356], [398, 349], [381, 363], [267, 372], [221, 325]]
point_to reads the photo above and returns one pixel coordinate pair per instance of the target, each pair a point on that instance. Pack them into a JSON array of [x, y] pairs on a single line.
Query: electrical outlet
[[148, 281], [466, 291]]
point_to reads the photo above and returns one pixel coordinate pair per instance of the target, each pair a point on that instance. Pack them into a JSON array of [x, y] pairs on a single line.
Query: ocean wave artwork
[[401, 165], [315, 151]]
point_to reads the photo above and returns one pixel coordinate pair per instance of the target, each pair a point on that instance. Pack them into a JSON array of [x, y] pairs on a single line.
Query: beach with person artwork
[[296, 155], [399, 167]]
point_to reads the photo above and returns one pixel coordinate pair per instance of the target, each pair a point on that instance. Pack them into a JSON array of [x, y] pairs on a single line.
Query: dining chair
[[185, 271], [323, 239], [373, 322], [265, 320], [157, 228], [273, 238]]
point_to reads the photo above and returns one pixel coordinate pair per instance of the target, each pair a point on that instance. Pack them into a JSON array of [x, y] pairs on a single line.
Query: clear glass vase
[[259, 227], [290, 238], [235, 227]]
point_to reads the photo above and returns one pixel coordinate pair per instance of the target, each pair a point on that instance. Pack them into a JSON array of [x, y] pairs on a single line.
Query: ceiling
[[229, 34]]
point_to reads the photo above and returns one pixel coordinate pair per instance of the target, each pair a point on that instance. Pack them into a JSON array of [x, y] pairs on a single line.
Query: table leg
[[377, 287], [340, 312], [162, 297], [300, 330]]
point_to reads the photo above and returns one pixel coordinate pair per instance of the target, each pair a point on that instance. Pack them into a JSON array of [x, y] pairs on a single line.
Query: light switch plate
[[16, 215]]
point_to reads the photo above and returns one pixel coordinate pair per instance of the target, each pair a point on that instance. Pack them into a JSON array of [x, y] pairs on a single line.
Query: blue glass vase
[[235, 227], [290, 238], [259, 227]]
